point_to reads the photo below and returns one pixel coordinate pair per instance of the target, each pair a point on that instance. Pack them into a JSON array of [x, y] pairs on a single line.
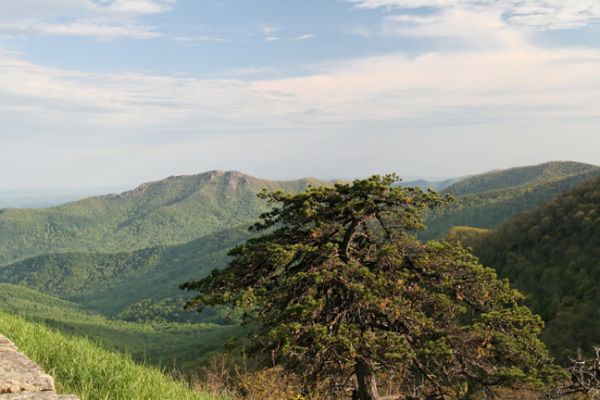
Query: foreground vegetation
[[168, 345], [347, 299], [83, 368]]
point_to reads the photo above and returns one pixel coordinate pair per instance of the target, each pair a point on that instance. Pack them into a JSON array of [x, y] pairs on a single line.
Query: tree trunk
[[367, 382]]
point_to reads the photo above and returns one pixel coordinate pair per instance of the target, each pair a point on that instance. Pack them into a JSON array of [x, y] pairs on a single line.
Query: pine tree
[[344, 294]]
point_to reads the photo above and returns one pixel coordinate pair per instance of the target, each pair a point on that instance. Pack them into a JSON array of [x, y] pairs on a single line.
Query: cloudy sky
[[98, 93]]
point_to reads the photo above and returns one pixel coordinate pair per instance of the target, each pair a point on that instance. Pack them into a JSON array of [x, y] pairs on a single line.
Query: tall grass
[[81, 367]]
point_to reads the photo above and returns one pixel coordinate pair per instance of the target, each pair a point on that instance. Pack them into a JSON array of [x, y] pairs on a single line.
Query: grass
[[83, 368], [182, 346]]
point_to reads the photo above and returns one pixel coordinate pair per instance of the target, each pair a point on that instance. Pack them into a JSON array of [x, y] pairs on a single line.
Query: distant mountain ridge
[[173, 210], [108, 253], [517, 176], [497, 202], [434, 185]]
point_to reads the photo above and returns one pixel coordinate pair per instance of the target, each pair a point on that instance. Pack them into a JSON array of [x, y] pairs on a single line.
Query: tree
[[343, 294]]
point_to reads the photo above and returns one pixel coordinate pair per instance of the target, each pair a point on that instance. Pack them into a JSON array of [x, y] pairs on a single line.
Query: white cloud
[[538, 14], [483, 29], [500, 90], [138, 7], [269, 30], [503, 82], [81, 28], [305, 37], [102, 19]]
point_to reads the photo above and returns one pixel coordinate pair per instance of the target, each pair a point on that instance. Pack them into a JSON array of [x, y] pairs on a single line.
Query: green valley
[[110, 283], [171, 345]]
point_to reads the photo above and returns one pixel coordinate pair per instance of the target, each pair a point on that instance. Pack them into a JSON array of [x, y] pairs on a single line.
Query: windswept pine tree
[[344, 295]]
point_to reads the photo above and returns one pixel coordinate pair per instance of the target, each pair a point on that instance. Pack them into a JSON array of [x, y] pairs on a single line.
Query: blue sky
[[98, 93]]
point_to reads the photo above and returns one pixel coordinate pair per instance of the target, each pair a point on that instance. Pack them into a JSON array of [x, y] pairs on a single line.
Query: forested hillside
[[111, 283], [553, 255], [531, 175], [497, 203], [434, 185], [174, 210]]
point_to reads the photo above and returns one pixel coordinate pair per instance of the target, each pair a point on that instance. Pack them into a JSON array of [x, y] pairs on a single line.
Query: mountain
[[112, 283], [553, 255], [174, 210], [434, 185], [519, 176], [498, 202]]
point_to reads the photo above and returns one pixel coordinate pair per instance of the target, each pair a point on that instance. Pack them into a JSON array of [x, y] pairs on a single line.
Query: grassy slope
[[174, 210], [83, 368], [179, 345], [491, 208], [109, 283], [553, 255]]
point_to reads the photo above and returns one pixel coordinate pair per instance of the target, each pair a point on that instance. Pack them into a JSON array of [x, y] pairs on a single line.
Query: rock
[[37, 396], [21, 378]]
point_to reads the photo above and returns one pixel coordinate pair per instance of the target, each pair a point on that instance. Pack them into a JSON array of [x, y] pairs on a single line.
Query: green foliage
[[113, 283], [173, 310], [466, 236], [489, 209], [340, 287], [504, 179], [183, 346], [83, 368], [174, 210], [434, 185], [553, 255]]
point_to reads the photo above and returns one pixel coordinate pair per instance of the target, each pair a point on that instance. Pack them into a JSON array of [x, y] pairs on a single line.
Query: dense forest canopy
[[553, 255]]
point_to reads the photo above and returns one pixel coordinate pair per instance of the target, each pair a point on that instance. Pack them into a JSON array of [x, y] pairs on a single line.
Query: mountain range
[[171, 211], [123, 256], [488, 200]]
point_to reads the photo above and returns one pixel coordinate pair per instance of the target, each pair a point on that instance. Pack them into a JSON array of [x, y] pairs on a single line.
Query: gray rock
[[21, 378], [37, 396]]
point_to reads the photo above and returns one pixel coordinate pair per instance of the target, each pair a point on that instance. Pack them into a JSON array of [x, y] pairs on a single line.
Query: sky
[[112, 93]]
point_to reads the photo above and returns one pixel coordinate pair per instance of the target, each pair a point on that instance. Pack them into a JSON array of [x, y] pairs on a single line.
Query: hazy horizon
[[43, 197], [113, 93]]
